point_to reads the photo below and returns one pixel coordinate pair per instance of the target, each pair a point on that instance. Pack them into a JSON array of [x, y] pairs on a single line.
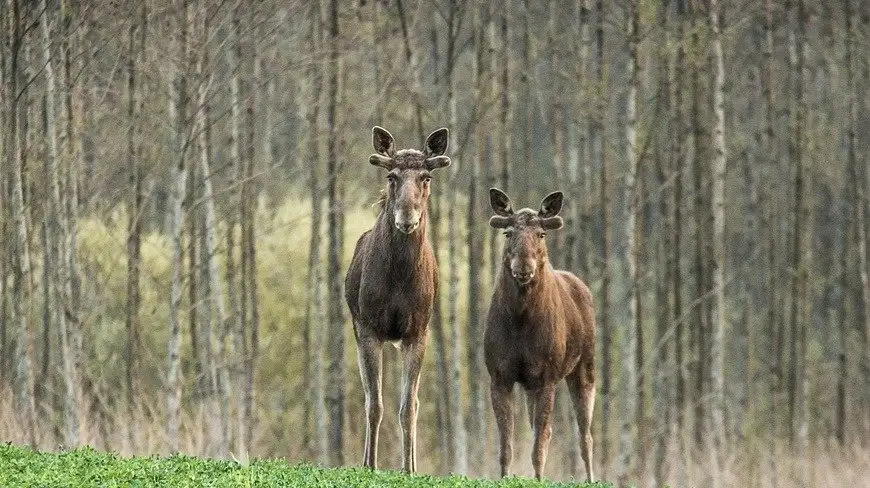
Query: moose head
[[409, 172], [525, 250]]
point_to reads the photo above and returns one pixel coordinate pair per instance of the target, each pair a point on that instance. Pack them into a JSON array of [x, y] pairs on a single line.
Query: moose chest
[[395, 302], [525, 347]]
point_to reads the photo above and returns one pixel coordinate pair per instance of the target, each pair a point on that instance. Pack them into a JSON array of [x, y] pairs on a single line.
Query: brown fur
[[538, 333], [391, 285]]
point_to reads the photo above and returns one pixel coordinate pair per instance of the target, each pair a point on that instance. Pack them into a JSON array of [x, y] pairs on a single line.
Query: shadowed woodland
[[182, 184]]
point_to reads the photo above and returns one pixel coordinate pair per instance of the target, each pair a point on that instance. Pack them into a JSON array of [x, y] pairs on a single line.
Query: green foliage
[[85, 467]]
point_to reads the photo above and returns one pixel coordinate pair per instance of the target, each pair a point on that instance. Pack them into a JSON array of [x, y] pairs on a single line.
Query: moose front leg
[[503, 408], [543, 427], [413, 360], [370, 354]]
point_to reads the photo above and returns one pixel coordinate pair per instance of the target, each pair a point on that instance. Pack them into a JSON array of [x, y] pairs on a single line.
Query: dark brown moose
[[540, 330], [392, 282]]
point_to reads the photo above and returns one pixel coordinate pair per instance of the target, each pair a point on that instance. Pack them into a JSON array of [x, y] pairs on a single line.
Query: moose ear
[[500, 203], [382, 161], [552, 223], [437, 162], [550, 205], [436, 143], [383, 142]]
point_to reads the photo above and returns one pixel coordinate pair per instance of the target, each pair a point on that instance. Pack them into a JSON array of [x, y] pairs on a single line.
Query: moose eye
[[392, 178], [542, 234], [425, 178], [508, 233]]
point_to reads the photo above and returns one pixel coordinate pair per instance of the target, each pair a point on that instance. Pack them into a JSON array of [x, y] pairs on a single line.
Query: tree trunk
[[861, 210], [249, 251], [555, 113], [58, 233], [460, 442], [719, 319], [477, 406], [316, 312], [529, 112], [634, 344], [678, 165], [335, 385], [218, 374], [769, 150], [135, 55], [5, 158], [700, 318], [193, 308], [799, 295], [664, 172], [178, 178], [582, 161], [604, 307]]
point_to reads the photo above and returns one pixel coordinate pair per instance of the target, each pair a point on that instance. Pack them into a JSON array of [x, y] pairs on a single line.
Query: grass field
[[85, 467]]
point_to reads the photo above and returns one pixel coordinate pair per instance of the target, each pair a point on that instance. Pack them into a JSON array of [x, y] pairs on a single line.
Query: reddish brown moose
[[392, 282], [540, 330]]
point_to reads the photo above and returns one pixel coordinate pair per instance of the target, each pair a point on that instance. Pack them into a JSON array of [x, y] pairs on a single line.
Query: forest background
[[183, 183]]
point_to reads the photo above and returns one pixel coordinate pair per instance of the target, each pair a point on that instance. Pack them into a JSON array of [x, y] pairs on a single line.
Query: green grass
[[85, 467]]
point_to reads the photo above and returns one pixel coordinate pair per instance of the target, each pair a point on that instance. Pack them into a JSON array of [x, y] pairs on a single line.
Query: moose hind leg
[[370, 355], [413, 361], [543, 427], [581, 384]]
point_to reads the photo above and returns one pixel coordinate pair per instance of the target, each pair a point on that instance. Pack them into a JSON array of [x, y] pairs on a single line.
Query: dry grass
[[752, 464]]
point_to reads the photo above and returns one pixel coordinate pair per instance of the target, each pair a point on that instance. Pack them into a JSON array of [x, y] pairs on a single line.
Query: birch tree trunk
[[218, 371], [606, 211], [460, 442], [249, 253], [335, 386], [799, 295], [58, 238], [238, 283], [701, 209], [678, 164], [664, 254], [5, 158], [583, 191], [22, 291], [477, 406], [719, 319], [178, 177], [135, 55], [316, 312], [632, 395], [769, 149], [75, 135], [861, 211]]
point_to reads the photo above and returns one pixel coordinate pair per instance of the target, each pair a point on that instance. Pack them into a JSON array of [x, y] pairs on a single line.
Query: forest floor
[[86, 467]]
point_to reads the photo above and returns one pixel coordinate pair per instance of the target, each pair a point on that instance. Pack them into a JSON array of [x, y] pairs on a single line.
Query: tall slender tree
[[316, 418], [135, 53], [800, 215], [335, 386], [460, 442], [178, 177], [477, 405], [606, 212], [719, 319], [632, 426]]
